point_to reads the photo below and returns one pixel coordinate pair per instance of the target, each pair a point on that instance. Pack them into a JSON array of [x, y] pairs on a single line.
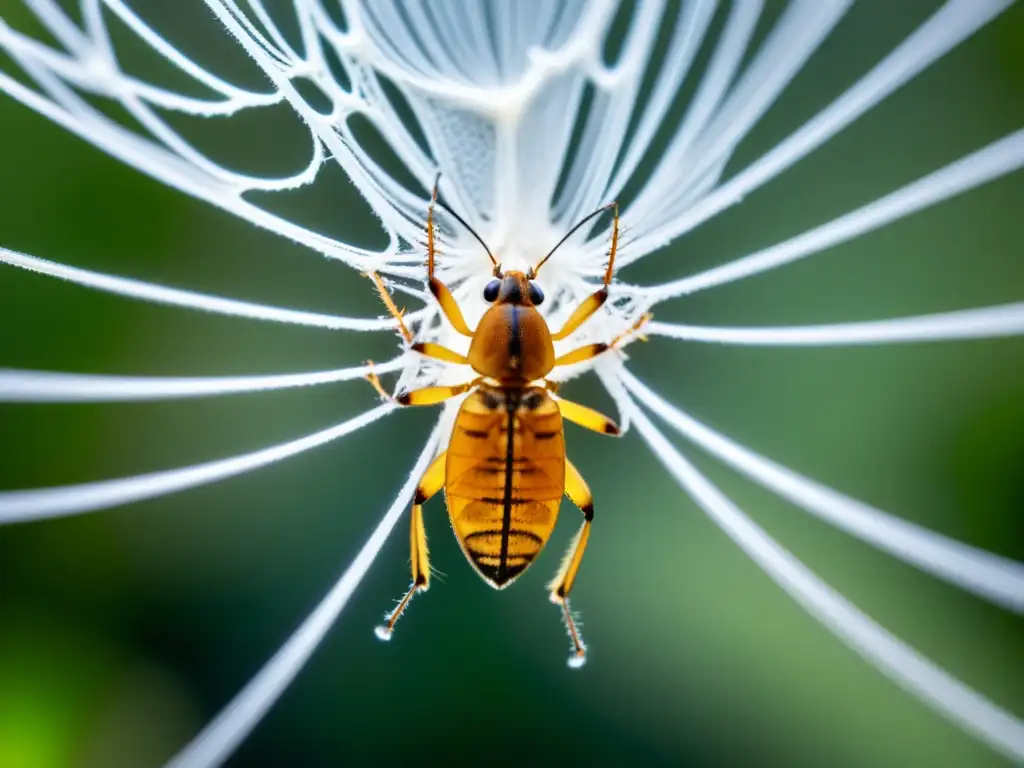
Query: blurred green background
[[122, 632]]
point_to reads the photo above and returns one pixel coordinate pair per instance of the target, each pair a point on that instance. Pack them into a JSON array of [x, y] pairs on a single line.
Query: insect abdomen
[[505, 479]]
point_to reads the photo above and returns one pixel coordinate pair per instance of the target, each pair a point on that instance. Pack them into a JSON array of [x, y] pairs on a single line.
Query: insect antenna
[[582, 222], [464, 223]]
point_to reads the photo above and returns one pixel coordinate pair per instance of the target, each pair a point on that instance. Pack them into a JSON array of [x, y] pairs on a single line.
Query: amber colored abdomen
[[505, 476]]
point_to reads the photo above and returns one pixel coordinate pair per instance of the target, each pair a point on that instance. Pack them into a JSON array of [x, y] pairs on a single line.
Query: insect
[[505, 469]]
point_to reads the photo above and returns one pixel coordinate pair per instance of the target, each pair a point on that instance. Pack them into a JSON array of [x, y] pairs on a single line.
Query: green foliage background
[[124, 631]]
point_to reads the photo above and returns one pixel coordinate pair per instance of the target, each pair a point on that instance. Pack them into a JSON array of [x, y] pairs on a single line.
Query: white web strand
[[162, 153], [894, 658], [226, 731], [42, 503], [733, 112], [994, 578], [387, 198], [80, 43], [997, 159], [985, 323], [52, 387], [617, 102], [160, 294], [162, 165], [555, 51], [955, 22], [731, 44]]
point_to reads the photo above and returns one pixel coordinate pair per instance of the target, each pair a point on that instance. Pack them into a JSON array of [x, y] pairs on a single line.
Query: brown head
[[512, 342]]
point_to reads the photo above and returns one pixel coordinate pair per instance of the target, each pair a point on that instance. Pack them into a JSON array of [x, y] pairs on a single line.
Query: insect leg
[[579, 494], [614, 246], [444, 297], [633, 329], [423, 396], [449, 306], [395, 312], [586, 417], [589, 351], [580, 354], [440, 352], [594, 301], [432, 395], [587, 307], [431, 482]]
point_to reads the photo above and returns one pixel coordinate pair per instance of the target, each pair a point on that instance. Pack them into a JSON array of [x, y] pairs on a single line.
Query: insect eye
[[536, 294], [491, 291]]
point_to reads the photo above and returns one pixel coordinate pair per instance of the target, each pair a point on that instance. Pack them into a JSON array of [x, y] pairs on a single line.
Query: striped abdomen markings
[[504, 489], [516, 549]]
